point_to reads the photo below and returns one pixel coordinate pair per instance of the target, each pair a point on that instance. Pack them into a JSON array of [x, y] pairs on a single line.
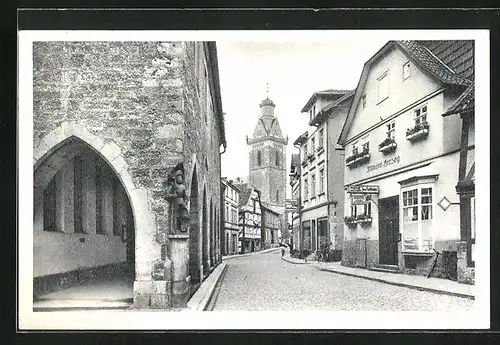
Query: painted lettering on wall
[[386, 162]]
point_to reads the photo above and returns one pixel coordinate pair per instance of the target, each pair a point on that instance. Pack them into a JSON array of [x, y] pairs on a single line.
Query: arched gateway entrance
[[84, 225]]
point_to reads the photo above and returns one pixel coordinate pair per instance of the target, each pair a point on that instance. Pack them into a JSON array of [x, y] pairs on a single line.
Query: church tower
[[267, 151]]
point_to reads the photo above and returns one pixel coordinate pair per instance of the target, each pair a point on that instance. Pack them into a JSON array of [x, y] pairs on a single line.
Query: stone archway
[[205, 244], [48, 157], [194, 231], [212, 233]]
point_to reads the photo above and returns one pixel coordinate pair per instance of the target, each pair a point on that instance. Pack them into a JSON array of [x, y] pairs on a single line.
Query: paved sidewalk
[[251, 253], [437, 285]]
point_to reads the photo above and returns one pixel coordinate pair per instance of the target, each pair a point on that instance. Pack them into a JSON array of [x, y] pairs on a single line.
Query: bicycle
[[446, 267]]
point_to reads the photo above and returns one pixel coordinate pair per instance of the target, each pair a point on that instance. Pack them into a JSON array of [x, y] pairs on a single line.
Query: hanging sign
[[359, 199], [363, 189]]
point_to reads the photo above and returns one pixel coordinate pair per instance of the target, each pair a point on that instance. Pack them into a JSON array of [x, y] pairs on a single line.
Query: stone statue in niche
[[176, 195]]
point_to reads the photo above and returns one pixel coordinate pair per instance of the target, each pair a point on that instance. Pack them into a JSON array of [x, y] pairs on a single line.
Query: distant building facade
[[321, 174], [249, 219], [231, 227], [401, 159], [126, 139], [295, 185], [270, 226]]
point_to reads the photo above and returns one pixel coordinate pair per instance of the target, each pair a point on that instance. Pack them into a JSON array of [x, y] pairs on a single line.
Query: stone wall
[[146, 103]]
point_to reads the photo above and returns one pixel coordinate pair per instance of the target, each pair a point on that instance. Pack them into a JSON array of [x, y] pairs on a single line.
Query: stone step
[[385, 270], [387, 267]]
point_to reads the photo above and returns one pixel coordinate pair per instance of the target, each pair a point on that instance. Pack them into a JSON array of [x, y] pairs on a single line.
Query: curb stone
[[203, 295]]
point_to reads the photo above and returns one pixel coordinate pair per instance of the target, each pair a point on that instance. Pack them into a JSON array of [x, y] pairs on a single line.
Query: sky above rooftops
[[294, 71]]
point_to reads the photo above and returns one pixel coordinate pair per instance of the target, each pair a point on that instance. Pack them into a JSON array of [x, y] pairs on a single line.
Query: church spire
[[267, 106]]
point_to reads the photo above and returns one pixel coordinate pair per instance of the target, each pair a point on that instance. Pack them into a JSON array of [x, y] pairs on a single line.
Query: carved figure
[[176, 194]]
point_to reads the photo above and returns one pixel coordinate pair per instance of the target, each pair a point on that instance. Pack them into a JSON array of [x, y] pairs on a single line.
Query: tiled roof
[[320, 116], [463, 103], [246, 190], [327, 93], [431, 64]]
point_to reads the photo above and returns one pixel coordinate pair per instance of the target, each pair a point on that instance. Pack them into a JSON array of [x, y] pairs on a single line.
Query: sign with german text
[[363, 189], [359, 199]]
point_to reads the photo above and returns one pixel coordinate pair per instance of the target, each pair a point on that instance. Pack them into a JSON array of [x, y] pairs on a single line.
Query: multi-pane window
[[421, 115], [354, 210], [406, 70], [306, 189], [391, 130], [383, 87], [354, 148], [313, 185], [426, 203], [321, 180], [365, 144], [410, 205], [363, 101], [49, 206], [367, 209]]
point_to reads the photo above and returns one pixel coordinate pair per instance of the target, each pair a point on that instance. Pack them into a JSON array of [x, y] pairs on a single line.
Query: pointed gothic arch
[[194, 230], [205, 244]]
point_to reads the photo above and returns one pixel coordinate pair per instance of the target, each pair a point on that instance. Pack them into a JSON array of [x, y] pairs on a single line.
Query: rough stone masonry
[[146, 108]]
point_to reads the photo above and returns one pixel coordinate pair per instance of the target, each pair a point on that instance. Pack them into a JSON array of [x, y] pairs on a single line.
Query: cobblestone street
[[265, 282]]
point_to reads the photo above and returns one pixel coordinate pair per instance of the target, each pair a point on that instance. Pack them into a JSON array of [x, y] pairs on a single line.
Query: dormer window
[[406, 70]]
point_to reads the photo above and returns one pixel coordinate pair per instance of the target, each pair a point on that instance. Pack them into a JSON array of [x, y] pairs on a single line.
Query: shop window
[[420, 115], [321, 180], [406, 70], [417, 218], [383, 87]]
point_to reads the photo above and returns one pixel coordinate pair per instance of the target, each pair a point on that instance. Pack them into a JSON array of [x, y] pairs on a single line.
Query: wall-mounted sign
[[386, 162], [363, 189], [359, 199]]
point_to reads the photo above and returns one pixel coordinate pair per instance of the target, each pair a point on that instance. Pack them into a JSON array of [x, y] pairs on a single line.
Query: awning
[[420, 173]]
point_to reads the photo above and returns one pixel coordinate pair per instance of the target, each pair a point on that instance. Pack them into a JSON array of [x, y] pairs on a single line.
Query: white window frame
[[406, 70], [365, 142], [313, 185], [321, 137], [391, 130], [419, 221], [420, 113], [322, 180], [355, 148], [383, 78]]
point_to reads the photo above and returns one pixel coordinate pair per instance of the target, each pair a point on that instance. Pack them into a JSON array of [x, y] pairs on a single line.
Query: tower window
[[277, 196], [277, 159], [258, 158]]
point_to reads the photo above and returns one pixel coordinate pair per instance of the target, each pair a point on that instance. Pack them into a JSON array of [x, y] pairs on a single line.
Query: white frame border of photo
[[478, 318]]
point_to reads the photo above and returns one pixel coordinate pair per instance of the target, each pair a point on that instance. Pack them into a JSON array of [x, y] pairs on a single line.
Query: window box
[[388, 145], [364, 219], [304, 162], [310, 157], [319, 149], [350, 221], [419, 131], [358, 158]]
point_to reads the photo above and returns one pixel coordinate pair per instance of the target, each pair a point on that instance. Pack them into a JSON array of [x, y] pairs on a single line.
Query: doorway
[[388, 230]]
